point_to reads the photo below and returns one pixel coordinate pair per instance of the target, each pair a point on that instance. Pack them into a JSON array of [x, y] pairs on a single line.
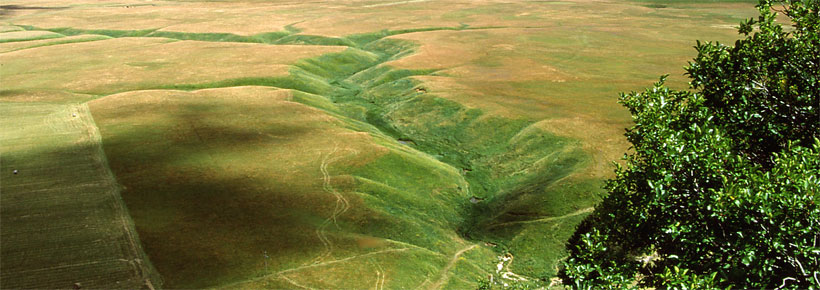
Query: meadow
[[354, 144]]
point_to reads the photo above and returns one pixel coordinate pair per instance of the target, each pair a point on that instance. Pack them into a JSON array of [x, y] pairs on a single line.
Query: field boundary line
[[63, 266], [60, 188], [142, 267]]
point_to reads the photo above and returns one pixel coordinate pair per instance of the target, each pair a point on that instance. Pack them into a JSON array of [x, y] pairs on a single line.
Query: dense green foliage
[[721, 187]]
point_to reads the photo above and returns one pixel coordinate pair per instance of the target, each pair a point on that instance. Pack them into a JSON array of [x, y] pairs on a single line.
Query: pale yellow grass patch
[[477, 68], [9, 28], [456, 53], [354, 20], [199, 17], [293, 153], [123, 64], [438, 50], [449, 88], [513, 69], [18, 45], [42, 96], [92, 15], [237, 19], [600, 138], [27, 35]]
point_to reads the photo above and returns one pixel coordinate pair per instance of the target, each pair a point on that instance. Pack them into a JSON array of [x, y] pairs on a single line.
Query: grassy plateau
[[350, 144]]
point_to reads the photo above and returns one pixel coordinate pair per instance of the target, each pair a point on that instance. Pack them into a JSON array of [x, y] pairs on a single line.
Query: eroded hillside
[[354, 144]]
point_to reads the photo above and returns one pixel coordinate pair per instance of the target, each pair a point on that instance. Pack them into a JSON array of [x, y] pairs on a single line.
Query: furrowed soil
[[62, 218], [352, 144]]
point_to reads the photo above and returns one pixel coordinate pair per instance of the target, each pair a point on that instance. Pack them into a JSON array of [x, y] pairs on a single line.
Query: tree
[[723, 183]]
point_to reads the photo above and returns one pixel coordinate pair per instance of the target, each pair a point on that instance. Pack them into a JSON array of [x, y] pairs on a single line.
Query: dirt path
[[342, 204], [380, 276], [445, 272], [294, 283], [281, 274], [394, 3], [546, 219]]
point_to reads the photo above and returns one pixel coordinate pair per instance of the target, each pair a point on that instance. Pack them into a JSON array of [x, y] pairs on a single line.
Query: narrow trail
[[381, 276], [546, 219], [342, 204], [394, 3], [281, 274], [340, 260], [445, 272], [321, 230], [294, 283]]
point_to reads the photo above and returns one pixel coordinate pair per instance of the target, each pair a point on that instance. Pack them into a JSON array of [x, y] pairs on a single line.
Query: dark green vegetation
[[723, 186], [62, 218]]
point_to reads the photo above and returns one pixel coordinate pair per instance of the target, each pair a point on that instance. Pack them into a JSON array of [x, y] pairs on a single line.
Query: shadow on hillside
[[62, 220], [206, 196], [9, 10]]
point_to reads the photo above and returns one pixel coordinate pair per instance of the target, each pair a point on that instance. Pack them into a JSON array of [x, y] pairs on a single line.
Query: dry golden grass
[[26, 35], [565, 64], [18, 45], [336, 18], [244, 19], [122, 64], [44, 97], [9, 28]]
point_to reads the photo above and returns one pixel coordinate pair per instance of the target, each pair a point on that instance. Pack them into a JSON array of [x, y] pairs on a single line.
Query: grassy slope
[[513, 166], [474, 145], [227, 174], [12, 46], [16, 36], [531, 197], [63, 220]]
